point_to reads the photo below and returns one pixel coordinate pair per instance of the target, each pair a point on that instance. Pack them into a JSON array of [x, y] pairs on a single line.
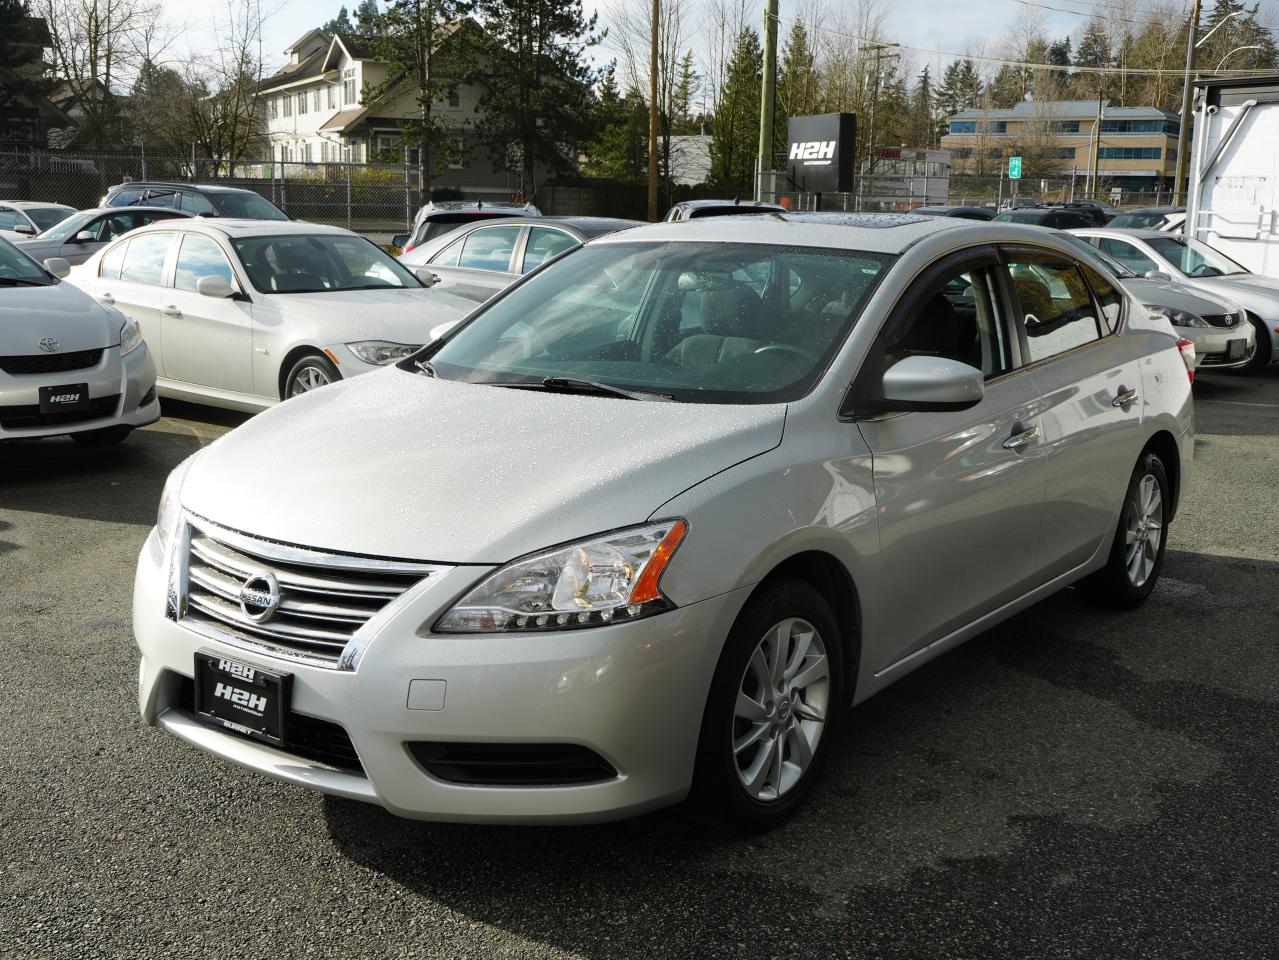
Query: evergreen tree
[[1059, 52], [536, 81], [368, 18], [735, 127], [960, 89], [1094, 51], [22, 81], [922, 124], [798, 90], [684, 96], [342, 23], [1245, 30], [619, 148]]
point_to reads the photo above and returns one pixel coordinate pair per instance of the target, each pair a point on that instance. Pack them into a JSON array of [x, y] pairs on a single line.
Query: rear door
[[960, 494], [207, 340], [481, 263], [131, 278], [1089, 382]]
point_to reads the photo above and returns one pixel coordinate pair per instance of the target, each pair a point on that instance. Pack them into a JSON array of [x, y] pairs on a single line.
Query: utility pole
[[652, 113], [767, 98], [1183, 134]]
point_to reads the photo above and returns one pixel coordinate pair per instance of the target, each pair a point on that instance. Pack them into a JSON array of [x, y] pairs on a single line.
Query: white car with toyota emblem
[[68, 365]]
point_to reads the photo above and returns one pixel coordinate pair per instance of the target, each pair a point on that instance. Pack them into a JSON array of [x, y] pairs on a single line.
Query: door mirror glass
[[428, 278], [57, 266], [84, 236], [1157, 275], [932, 383], [400, 240], [214, 285]]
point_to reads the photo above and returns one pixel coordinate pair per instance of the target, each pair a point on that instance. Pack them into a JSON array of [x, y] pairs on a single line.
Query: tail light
[[407, 247], [1187, 348]]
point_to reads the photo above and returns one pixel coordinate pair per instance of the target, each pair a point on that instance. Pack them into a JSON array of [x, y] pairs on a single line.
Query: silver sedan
[[652, 520], [68, 365]]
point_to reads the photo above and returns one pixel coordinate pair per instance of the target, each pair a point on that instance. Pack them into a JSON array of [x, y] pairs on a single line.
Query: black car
[[1059, 218], [195, 199], [964, 213]]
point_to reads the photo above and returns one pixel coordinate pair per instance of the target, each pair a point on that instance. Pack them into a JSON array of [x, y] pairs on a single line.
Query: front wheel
[[1137, 551], [309, 373], [1263, 355], [772, 708]]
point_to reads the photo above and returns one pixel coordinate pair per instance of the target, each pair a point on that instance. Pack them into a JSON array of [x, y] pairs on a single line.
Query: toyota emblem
[[49, 345], [260, 597]]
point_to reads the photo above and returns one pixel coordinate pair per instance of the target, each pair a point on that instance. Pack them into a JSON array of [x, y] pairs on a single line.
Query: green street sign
[[1014, 168]]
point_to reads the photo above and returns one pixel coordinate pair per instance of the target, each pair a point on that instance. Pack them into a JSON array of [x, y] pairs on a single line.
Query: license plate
[[1235, 349], [243, 698], [73, 396]]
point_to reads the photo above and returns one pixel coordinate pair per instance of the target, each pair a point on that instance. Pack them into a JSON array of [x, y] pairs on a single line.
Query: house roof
[[344, 120], [300, 42], [1065, 110]]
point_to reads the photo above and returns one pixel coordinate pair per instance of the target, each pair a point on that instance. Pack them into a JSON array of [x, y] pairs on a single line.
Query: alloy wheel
[[307, 379], [781, 709], [1145, 529]]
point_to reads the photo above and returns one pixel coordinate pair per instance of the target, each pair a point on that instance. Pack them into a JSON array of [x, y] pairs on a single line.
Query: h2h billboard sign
[[819, 152]]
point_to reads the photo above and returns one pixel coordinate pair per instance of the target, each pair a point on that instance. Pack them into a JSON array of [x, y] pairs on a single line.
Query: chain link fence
[[369, 198]]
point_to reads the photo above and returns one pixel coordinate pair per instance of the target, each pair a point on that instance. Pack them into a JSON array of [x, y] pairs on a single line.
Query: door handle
[[1125, 397], [107, 299], [171, 311], [1019, 440]]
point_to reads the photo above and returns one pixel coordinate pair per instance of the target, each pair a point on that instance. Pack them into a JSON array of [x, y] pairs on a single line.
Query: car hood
[[60, 311], [403, 316], [1178, 296], [399, 465], [1252, 282]]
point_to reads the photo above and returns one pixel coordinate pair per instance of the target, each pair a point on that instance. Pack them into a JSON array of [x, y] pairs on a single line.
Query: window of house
[[1064, 153], [301, 103], [1064, 126], [275, 108], [1130, 153], [306, 153], [458, 160], [333, 97], [963, 126], [315, 100], [1056, 305], [286, 102], [455, 97], [348, 87]]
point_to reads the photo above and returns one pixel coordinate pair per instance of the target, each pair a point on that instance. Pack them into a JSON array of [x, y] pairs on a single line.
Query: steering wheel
[[1204, 270], [786, 348]]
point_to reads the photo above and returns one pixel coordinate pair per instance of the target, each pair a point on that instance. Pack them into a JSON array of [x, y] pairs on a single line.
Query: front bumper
[[631, 692], [1212, 345], [129, 380]]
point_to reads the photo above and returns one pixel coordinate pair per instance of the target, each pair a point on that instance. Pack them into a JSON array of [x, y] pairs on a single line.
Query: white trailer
[[1233, 197]]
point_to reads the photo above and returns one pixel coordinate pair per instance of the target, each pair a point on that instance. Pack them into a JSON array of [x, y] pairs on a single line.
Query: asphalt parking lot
[[1074, 783]]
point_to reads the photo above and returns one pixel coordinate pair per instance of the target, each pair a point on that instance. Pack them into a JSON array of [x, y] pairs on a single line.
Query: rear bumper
[[129, 380]]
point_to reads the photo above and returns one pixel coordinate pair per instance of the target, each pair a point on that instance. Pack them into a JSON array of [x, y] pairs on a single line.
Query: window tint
[[108, 228], [305, 263], [249, 206], [1127, 254], [543, 244], [46, 217], [200, 256], [109, 266], [162, 198], [125, 197], [958, 319], [1108, 297], [144, 263], [489, 248], [197, 203], [1056, 306], [448, 256], [10, 218]]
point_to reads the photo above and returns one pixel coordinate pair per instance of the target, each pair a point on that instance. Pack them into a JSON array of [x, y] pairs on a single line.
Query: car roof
[[1144, 233], [229, 227], [476, 206], [871, 232], [205, 187], [35, 204], [136, 208], [702, 204]]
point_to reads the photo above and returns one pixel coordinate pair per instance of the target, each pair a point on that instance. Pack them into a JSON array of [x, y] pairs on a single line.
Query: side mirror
[[58, 267], [84, 236], [400, 240], [932, 383], [1157, 275], [439, 330], [25, 229], [215, 285], [428, 278]]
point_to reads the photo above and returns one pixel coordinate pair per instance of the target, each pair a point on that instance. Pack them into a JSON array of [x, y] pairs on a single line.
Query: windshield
[[46, 217], [248, 206], [694, 322], [1020, 216], [17, 267], [1194, 258], [319, 263], [1117, 268], [1138, 221], [68, 228]]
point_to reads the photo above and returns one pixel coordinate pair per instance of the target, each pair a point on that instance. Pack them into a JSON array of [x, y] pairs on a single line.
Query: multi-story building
[[316, 112], [1137, 150]]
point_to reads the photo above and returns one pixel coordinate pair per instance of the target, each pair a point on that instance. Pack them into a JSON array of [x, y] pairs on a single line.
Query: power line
[[1080, 13]]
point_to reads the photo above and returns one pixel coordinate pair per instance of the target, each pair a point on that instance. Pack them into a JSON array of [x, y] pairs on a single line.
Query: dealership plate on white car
[[246, 699]]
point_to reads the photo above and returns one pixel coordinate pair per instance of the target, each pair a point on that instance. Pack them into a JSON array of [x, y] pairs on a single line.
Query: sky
[[928, 24]]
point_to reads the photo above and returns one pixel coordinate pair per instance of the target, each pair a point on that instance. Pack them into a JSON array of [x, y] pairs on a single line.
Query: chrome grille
[[1221, 319], [325, 599]]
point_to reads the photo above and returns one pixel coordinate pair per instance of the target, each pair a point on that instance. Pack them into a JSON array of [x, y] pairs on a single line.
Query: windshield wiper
[[22, 282], [575, 385], [426, 367]]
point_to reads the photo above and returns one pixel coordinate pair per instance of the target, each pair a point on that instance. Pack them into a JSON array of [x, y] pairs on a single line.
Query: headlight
[[1179, 318], [593, 582], [130, 335], [167, 517], [381, 351]]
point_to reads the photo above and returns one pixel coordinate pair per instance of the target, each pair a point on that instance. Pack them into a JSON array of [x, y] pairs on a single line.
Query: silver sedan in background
[[652, 520], [83, 234]]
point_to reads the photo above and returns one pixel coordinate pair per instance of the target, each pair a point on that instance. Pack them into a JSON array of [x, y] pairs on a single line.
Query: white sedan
[[245, 313]]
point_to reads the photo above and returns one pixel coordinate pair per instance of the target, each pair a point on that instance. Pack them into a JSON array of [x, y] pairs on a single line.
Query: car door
[[479, 264], [95, 235], [130, 278], [960, 493], [207, 340], [1089, 382]]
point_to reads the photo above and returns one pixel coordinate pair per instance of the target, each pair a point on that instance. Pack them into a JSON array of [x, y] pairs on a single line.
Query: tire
[[1137, 552], [310, 372], [105, 437], [738, 778], [1261, 359]]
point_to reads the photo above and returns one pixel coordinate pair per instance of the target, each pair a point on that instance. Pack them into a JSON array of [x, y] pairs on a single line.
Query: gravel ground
[[1074, 783]]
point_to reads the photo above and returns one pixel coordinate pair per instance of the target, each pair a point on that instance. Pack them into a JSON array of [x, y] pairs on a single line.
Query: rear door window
[[125, 197], [197, 203], [1055, 306], [545, 244], [144, 263], [109, 267], [490, 248]]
